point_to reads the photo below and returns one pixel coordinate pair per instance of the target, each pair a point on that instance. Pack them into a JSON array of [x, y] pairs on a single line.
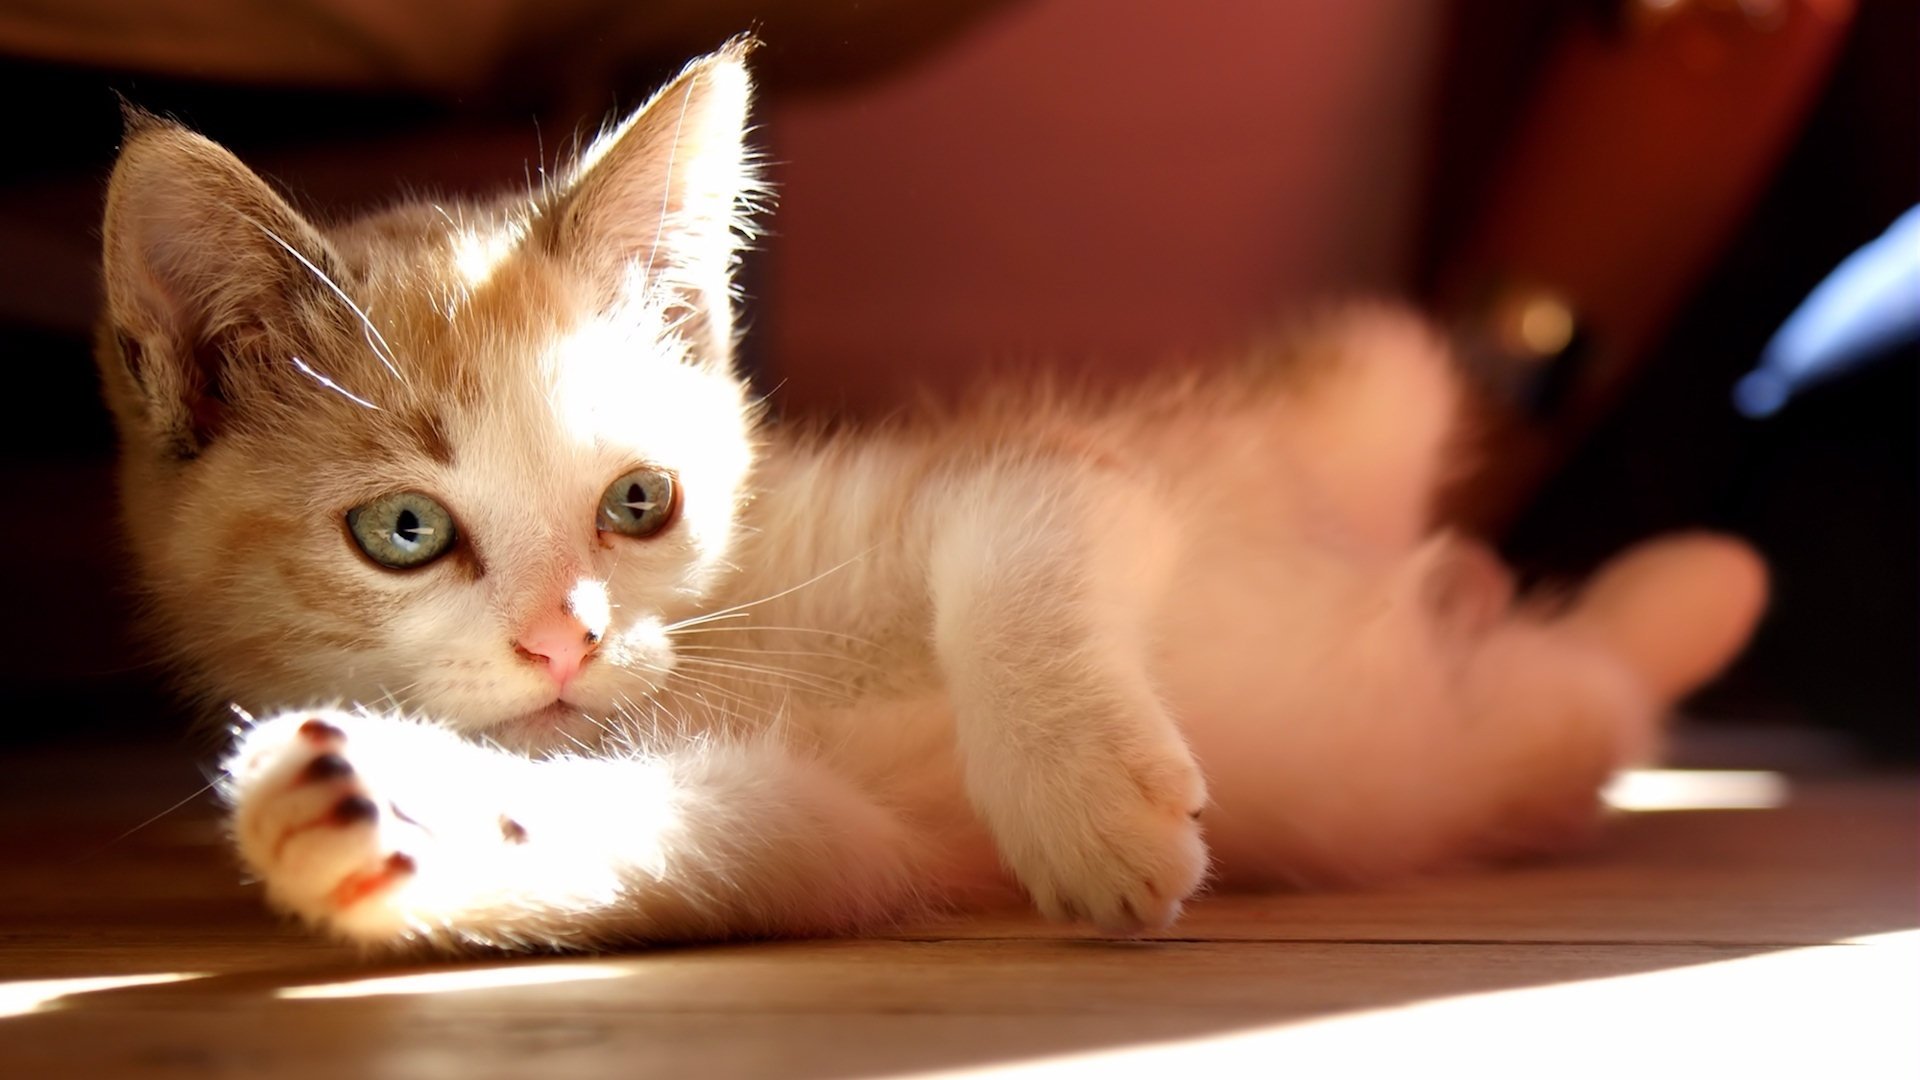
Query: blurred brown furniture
[[1641, 148]]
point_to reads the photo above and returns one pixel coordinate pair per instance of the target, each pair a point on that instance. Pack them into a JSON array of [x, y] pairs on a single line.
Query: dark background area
[[1827, 488]]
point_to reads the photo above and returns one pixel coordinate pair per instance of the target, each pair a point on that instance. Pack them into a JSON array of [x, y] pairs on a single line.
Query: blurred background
[[1612, 204]]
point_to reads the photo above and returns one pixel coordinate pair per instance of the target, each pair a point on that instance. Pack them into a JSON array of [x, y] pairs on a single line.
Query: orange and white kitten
[[581, 651]]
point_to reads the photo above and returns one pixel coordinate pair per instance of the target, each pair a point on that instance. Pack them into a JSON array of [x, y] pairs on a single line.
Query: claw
[[350, 810]]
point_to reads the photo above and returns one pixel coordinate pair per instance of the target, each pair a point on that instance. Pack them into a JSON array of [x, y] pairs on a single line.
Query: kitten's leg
[[1558, 703], [1370, 417], [1042, 578], [386, 832]]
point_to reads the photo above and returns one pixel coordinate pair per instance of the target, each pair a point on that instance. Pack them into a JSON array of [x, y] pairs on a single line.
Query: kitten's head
[[466, 458]]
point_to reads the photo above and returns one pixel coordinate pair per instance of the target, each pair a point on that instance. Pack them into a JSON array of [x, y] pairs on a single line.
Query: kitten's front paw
[[331, 811], [1116, 842]]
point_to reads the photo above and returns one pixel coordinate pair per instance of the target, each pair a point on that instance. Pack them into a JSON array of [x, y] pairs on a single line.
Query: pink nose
[[560, 641]]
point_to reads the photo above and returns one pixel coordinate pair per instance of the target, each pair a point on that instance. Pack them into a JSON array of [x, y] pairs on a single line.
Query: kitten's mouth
[[553, 713], [554, 723]]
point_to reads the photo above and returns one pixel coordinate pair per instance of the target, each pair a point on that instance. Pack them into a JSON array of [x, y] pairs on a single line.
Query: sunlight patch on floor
[[1644, 790], [1844, 1009], [39, 995], [447, 982]]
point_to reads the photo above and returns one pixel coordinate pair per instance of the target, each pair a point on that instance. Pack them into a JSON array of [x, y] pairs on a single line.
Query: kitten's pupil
[[406, 528], [636, 494]]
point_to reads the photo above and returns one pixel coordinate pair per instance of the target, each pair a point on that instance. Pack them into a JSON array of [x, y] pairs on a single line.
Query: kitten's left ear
[[654, 210]]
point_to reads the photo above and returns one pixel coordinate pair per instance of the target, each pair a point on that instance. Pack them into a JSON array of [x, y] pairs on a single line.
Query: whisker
[[605, 725], [810, 680], [381, 349], [645, 721], [376, 343], [392, 697], [540, 148], [696, 620], [666, 186], [772, 682], [856, 639], [824, 654], [718, 689], [307, 370], [203, 789], [721, 691]]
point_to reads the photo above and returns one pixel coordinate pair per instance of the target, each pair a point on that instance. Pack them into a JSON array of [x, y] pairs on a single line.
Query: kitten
[[580, 650]]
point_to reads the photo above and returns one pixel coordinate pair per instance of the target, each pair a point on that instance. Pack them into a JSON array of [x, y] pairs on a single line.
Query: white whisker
[[374, 340], [710, 616], [744, 651], [787, 630], [825, 684], [666, 187], [741, 700], [307, 370]]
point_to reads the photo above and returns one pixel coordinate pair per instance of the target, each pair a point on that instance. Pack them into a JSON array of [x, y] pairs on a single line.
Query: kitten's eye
[[402, 531], [638, 504]]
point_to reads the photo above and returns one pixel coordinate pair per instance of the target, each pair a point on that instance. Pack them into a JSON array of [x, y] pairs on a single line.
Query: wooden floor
[[1699, 944]]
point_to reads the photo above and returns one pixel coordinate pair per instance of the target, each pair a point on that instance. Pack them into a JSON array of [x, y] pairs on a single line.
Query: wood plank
[[1725, 919]]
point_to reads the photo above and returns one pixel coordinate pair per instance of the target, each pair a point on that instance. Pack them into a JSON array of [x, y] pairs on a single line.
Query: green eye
[[402, 531], [640, 503]]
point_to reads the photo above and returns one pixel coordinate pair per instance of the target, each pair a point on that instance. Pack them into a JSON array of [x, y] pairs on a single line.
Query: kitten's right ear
[[198, 274]]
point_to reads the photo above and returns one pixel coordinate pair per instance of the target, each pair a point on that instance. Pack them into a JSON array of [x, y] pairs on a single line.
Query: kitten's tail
[[1675, 609]]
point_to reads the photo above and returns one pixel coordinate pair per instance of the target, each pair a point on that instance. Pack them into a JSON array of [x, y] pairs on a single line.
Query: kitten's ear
[[198, 275], [654, 211]]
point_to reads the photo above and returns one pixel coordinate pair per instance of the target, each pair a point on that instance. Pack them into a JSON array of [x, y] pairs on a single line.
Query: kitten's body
[[859, 672]]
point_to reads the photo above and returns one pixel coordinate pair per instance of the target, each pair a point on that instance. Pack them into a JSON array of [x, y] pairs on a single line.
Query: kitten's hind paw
[[1677, 609]]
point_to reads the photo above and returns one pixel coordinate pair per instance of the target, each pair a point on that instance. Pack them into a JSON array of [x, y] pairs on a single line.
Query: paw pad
[[327, 766], [353, 810]]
